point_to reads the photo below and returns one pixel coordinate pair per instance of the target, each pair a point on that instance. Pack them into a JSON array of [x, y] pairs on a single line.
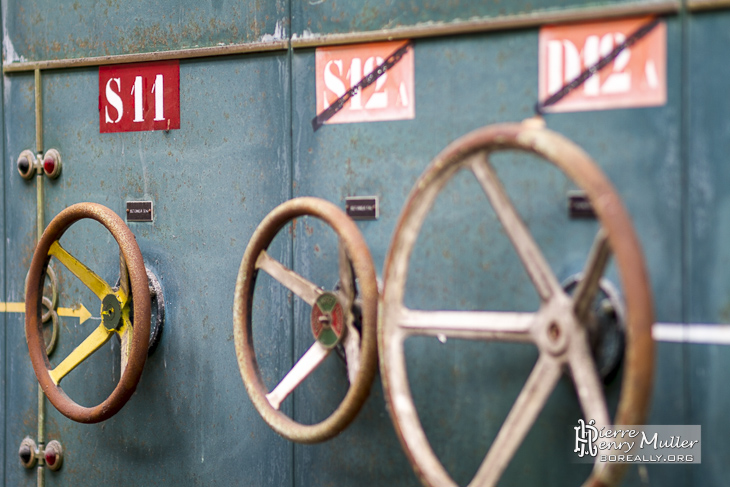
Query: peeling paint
[[306, 34], [279, 33], [9, 53]]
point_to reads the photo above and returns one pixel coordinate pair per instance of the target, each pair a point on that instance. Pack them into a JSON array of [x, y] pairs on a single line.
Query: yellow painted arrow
[[79, 311]]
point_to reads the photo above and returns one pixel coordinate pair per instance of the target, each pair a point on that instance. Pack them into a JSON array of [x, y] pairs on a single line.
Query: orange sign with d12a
[[636, 77], [389, 97]]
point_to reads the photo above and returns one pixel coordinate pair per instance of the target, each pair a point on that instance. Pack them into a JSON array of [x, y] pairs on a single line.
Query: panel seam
[[290, 101], [685, 225]]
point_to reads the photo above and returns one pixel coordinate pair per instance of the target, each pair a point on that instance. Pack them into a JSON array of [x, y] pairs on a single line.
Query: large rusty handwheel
[[116, 306], [558, 328], [332, 319]]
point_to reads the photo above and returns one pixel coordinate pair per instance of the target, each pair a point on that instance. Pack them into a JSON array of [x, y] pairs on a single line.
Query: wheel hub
[[327, 320], [111, 312]]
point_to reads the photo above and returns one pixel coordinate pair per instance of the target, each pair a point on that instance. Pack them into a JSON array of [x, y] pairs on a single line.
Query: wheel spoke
[[352, 351], [587, 383], [535, 264], [347, 280], [90, 279], [587, 287], [474, 325], [123, 292], [90, 345], [126, 333], [304, 366], [351, 341], [520, 419], [290, 279]]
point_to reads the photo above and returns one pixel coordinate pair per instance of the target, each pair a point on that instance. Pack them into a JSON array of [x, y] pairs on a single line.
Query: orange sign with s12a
[[390, 97]]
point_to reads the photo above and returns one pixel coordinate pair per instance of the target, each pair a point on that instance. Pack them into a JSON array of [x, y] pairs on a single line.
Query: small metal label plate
[[579, 206], [140, 211], [362, 207]]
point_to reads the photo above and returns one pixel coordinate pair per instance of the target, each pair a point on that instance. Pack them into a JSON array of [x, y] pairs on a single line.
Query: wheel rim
[[394, 325], [361, 260], [139, 293]]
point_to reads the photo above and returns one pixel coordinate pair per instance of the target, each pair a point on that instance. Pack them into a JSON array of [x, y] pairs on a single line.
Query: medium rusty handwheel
[[115, 311], [559, 328], [332, 319]]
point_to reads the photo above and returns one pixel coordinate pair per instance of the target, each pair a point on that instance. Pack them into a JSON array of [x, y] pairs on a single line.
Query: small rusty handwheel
[[115, 311], [559, 328], [331, 319]]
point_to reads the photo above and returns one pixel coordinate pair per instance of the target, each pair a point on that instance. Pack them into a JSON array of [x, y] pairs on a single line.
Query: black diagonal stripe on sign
[[371, 78], [602, 63]]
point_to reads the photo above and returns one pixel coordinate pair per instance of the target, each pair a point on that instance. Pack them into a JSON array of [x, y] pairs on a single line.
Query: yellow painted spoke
[[122, 297], [97, 285], [92, 343]]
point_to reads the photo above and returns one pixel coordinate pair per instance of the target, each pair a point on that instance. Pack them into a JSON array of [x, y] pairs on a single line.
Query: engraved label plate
[[140, 211], [579, 206], [362, 207]]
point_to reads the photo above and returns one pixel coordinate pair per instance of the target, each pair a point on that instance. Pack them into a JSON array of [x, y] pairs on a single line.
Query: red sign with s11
[[137, 97]]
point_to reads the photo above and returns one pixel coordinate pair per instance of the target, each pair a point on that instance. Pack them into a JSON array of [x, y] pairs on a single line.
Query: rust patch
[[194, 28]]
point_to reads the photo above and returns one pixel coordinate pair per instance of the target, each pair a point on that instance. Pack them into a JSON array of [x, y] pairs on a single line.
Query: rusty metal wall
[[2, 282], [246, 144], [211, 181], [317, 18], [47, 30], [707, 285]]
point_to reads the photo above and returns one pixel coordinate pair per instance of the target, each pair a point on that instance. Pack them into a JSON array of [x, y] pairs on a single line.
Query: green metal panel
[[3, 269], [52, 30], [462, 260], [19, 220], [708, 287], [190, 422], [642, 158], [317, 17]]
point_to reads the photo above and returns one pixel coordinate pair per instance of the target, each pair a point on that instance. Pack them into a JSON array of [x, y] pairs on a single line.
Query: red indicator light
[[53, 455], [49, 165], [50, 458], [52, 163]]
